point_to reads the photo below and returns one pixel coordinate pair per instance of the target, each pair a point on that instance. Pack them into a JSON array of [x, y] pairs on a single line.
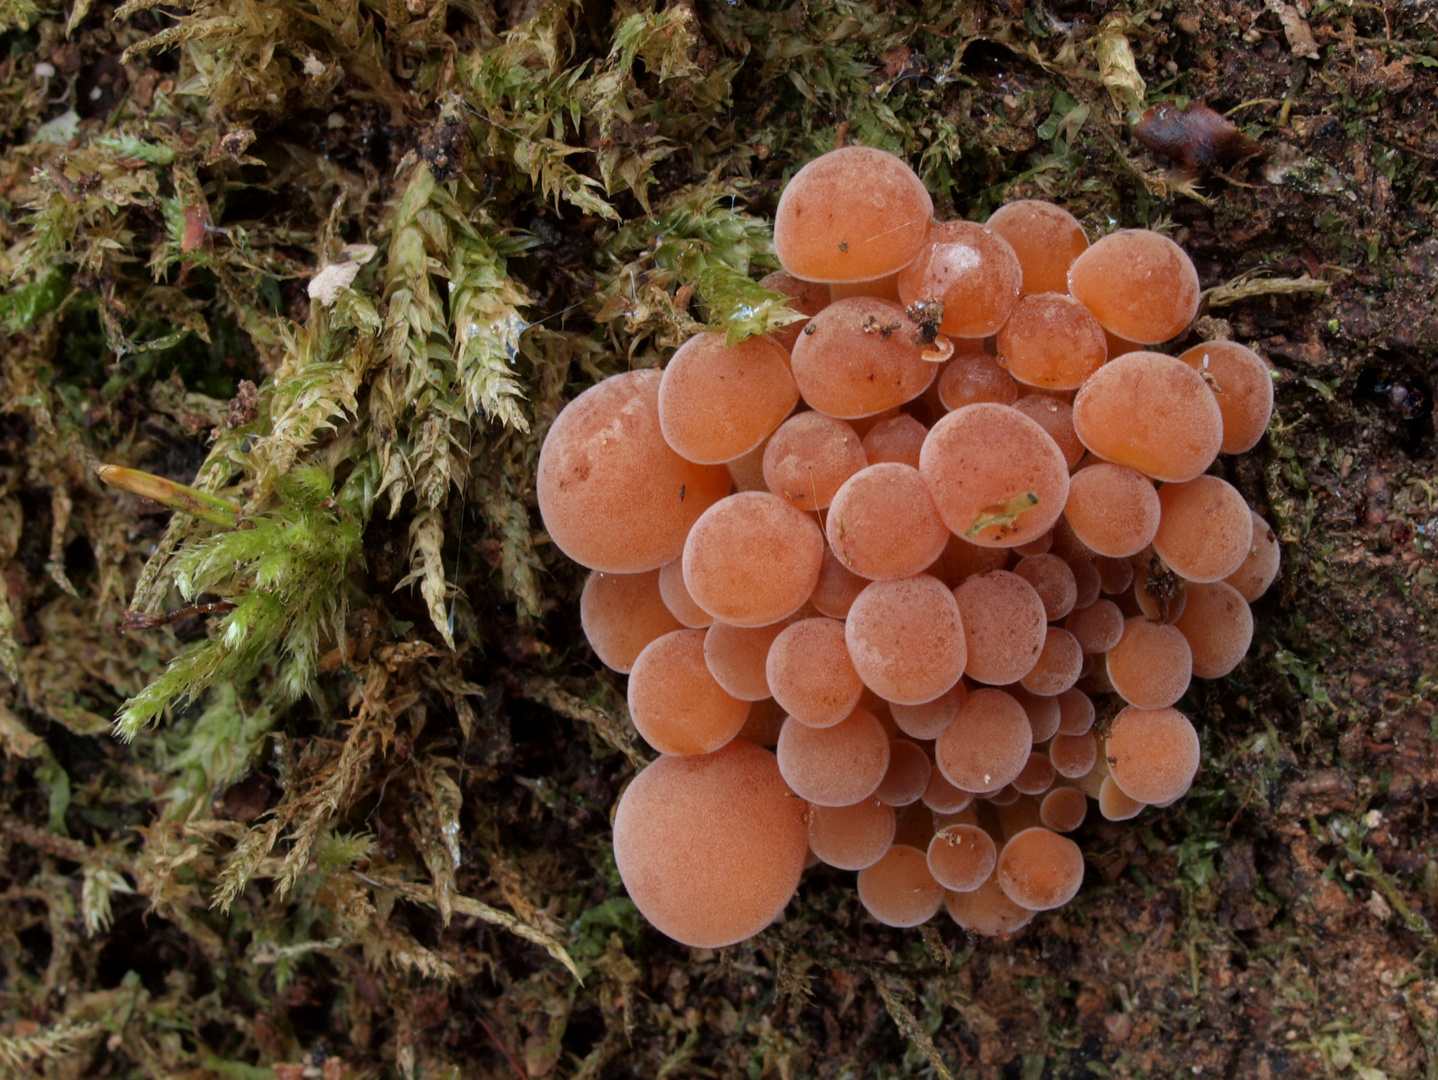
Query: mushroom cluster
[[916, 543]]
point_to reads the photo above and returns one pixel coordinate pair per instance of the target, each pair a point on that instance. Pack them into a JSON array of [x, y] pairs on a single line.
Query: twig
[[138, 620], [181, 497], [494, 1038], [1254, 283], [465, 905]]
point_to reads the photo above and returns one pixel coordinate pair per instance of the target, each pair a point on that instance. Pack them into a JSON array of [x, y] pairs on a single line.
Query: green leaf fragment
[[18, 14], [137, 149], [1003, 514], [180, 497], [59, 131], [23, 304]]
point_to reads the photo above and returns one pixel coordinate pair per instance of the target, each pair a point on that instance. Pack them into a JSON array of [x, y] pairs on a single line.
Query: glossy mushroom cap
[[710, 848], [899, 890], [752, 559], [1040, 870], [1139, 285], [852, 214], [1152, 754], [613, 495], [1152, 413]]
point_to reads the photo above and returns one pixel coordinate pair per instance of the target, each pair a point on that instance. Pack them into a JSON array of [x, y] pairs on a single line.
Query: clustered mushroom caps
[[991, 506]]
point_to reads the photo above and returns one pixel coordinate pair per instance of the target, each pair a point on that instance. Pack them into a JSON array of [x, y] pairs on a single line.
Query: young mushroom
[[710, 848]]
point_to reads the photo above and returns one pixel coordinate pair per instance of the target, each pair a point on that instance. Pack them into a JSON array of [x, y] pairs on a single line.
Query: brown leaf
[[1295, 29], [1198, 138], [245, 800]]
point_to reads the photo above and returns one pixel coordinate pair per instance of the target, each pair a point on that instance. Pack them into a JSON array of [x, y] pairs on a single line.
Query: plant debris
[[1196, 138]]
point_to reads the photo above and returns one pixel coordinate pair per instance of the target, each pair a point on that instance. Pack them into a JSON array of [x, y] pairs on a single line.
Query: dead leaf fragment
[[1295, 29], [1118, 71], [337, 276], [1288, 166], [1197, 138], [1377, 906], [16, 739]]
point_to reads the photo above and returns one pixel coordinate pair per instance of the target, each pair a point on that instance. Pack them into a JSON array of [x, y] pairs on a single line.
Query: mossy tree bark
[[358, 819]]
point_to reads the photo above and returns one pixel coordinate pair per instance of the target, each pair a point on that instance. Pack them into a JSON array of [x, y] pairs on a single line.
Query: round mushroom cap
[[859, 357], [882, 523], [1097, 627], [737, 657], [851, 837], [1054, 412], [1058, 666], [1206, 530], [1115, 575], [1073, 755], [810, 674], [1045, 237], [962, 560], [1004, 626], [809, 457], [1040, 870], [674, 700], [710, 848], [677, 599], [1152, 754], [1139, 285], [1037, 777], [974, 377], [1243, 387], [1076, 713], [969, 274], [906, 639], [962, 857], [943, 798], [1218, 625], [1052, 341], [1114, 805], [1043, 712], [1053, 580], [835, 766], [719, 401], [852, 214], [747, 470], [1063, 809], [1152, 413], [1151, 665], [997, 478], [1088, 582], [613, 495], [987, 911], [987, 745], [907, 777], [1112, 508], [752, 559], [622, 613], [763, 724], [899, 890], [896, 439]]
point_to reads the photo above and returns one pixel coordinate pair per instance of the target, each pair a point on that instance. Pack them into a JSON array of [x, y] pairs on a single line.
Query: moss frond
[[703, 241], [285, 576], [204, 755]]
